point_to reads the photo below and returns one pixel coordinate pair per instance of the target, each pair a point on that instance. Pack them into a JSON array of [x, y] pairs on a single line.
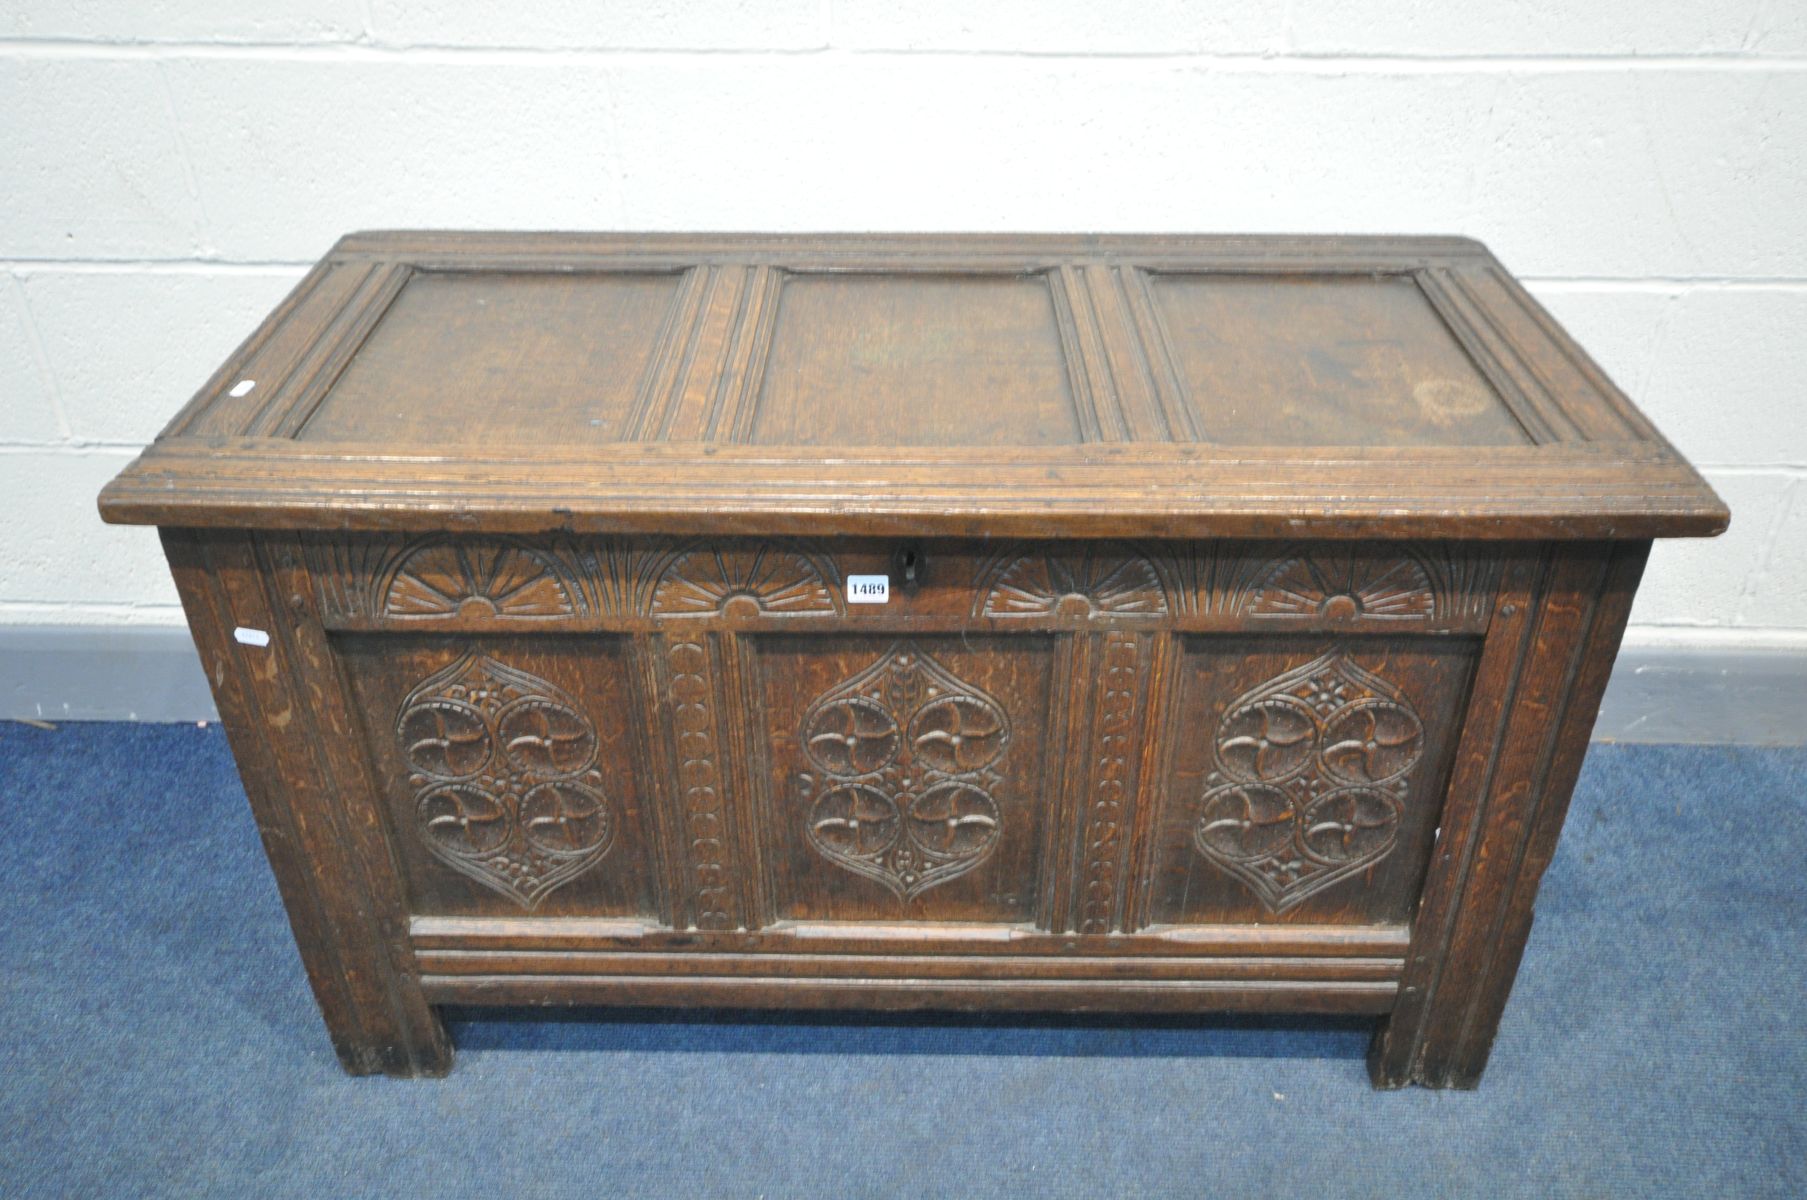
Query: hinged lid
[[1151, 386]]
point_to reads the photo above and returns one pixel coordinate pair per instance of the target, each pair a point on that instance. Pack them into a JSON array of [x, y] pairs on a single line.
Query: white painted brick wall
[[122, 380], [167, 169]]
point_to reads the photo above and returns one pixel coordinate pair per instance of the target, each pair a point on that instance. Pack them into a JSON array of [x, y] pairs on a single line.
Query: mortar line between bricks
[[73, 445], [1784, 467], [1278, 62], [151, 266], [93, 608]]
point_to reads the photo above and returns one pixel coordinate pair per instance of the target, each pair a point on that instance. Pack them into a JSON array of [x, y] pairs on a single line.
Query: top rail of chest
[[475, 584]]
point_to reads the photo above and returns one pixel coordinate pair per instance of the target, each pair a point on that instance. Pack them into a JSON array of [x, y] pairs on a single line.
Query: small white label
[[868, 589], [251, 637], [242, 388]]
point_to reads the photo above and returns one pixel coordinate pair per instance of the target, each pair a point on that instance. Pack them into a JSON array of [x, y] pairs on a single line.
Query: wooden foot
[[314, 801], [1537, 691]]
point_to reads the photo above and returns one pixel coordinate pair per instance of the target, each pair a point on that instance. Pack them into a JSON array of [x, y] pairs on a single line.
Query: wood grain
[[288, 723], [1537, 693]]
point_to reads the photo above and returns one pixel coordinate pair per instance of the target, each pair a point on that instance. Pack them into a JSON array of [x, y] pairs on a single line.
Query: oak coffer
[[932, 622]]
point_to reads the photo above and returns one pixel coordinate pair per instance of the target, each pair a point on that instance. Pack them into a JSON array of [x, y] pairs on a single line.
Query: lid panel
[[1324, 360], [468, 358], [916, 360], [1041, 386]]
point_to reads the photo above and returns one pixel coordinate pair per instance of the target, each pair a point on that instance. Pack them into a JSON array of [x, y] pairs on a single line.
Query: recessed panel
[[483, 358], [907, 777], [1324, 361], [908, 360], [508, 768], [1305, 777]]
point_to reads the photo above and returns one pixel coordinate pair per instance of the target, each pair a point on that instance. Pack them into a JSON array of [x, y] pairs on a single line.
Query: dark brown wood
[[992, 993], [1039, 387], [1559, 624], [289, 727], [1250, 600]]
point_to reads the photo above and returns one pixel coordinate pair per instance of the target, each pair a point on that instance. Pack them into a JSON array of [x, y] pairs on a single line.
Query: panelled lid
[[1071, 386]]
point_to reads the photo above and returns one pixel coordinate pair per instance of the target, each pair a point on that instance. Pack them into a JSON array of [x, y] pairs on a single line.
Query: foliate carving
[[1092, 579], [502, 766], [907, 755], [1113, 745], [344, 570], [763, 577], [1466, 578], [699, 782], [1312, 771]]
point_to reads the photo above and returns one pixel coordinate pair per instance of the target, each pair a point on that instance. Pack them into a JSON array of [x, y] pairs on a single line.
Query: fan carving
[[1344, 585], [447, 578], [1092, 580], [765, 578]]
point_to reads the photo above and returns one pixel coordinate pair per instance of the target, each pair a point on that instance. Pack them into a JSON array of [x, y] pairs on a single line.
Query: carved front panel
[[1312, 771], [907, 777], [1086, 737], [1305, 777], [505, 779], [907, 754], [510, 773]]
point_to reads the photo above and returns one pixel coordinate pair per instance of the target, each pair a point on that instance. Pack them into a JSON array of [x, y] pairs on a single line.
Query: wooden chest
[[1059, 623]]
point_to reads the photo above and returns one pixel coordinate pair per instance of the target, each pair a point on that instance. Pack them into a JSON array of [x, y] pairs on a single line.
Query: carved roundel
[[1313, 768], [855, 821], [956, 734], [505, 793], [851, 736], [1372, 741], [954, 820], [1247, 822], [1271, 738], [542, 736], [463, 820], [907, 750], [564, 817], [445, 738], [1350, 824]]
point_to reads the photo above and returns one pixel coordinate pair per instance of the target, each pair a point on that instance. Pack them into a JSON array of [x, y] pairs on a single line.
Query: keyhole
[[908, 566]]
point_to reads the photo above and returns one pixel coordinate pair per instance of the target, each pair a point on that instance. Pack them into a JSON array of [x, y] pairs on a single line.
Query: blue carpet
[[157, 1037]]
